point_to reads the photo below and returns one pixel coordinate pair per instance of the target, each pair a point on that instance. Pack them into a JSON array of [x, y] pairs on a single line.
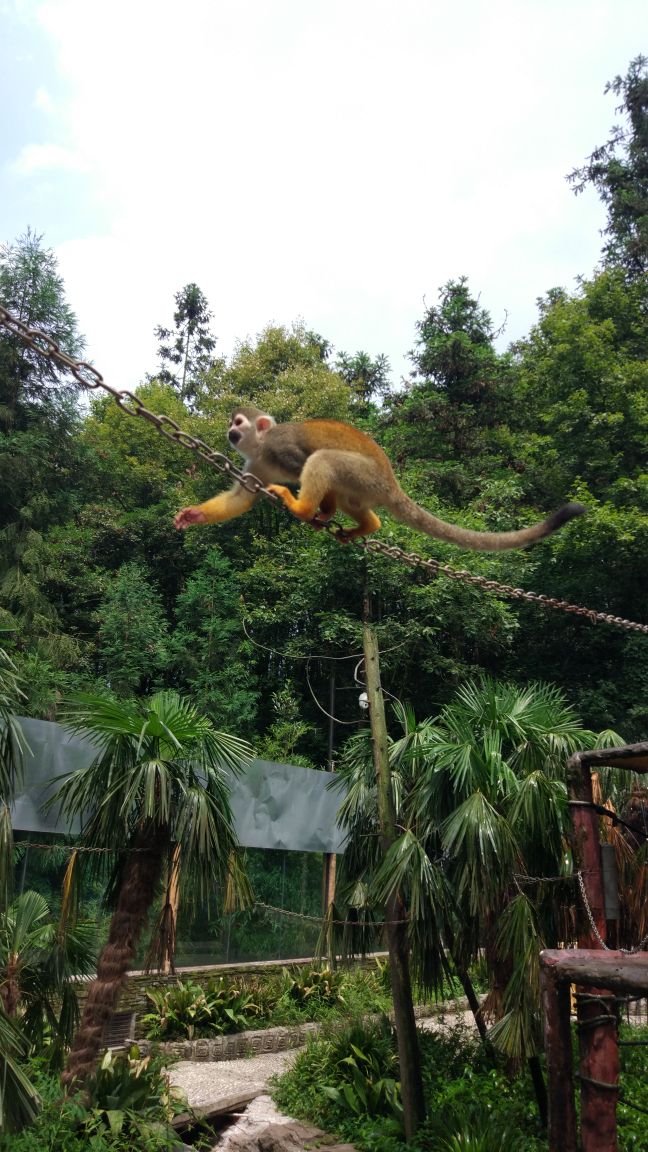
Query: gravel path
[[204, 1081], [207, 1081]]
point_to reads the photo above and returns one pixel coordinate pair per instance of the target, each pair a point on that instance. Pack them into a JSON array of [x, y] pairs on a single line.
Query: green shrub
[[130, 1094], [187, 1011], [483, 1139], [310, 986], [347, 1082], [634, 1089], [128, 1104], [348, 1073], [472, 1106]]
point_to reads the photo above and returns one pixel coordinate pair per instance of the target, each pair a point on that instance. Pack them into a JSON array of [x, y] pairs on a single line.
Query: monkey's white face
[[245, 435], [239, 430]]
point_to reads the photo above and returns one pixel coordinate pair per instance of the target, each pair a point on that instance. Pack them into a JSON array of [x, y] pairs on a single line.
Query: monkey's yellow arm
[[226, 506]]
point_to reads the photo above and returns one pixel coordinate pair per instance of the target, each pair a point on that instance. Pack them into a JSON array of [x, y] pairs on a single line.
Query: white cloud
[[45, 157], [43, 101]]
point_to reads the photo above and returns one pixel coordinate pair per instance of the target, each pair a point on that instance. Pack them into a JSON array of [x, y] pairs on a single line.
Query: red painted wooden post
[[597, 1028], [558, 1047]]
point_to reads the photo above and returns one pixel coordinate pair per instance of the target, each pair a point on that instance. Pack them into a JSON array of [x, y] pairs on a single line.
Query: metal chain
[[89, 377], [375, 927], [501, 589], [626, 951]]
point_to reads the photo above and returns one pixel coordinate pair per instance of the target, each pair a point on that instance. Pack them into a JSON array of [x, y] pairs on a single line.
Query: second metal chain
[[590, 916]]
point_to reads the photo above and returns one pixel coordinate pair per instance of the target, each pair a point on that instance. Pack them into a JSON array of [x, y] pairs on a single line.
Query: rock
[[263, 1129]]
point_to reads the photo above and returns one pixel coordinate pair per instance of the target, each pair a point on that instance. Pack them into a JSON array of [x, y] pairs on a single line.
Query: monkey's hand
[[188, 516]]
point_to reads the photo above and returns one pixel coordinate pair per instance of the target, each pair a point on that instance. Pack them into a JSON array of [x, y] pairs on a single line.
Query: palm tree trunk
[[540, 1089], [474, 1005], [137, 890]]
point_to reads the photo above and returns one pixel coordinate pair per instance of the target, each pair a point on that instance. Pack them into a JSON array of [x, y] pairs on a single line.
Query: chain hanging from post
[[592, 923], [89, 377]]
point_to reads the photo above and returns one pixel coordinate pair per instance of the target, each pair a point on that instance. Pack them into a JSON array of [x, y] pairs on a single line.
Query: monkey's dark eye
[[237, 421]]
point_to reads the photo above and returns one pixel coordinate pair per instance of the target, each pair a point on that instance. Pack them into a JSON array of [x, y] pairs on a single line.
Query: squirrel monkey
[[337, 466]]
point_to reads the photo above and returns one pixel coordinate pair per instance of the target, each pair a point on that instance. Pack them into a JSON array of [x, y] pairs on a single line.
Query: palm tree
[[157, 791], [482, 857], [494, 787], [411, 866], [38, 958]]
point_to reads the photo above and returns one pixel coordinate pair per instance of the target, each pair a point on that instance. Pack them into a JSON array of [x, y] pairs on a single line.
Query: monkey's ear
[[263, 423]]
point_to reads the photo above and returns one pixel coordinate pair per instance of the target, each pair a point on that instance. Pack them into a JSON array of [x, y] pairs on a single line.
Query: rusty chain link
[[89, 377]]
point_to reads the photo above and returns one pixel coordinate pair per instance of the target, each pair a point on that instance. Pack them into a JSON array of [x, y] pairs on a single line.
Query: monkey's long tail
[[410, 513]]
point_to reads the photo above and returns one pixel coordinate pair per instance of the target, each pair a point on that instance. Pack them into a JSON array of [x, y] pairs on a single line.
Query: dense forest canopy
[[257, 619]]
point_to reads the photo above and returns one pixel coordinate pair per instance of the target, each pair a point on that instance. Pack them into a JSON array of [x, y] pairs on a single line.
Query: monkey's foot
[[325, 512], [368, 524]]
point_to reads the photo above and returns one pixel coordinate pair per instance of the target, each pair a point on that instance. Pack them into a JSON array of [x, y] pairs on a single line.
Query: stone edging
[[263, 1040]]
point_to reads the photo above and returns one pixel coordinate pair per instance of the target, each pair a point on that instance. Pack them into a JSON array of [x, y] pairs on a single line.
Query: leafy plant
[[129, 1093], [232, 1005], [367, 1091], [357, 1066], [186, 1010], [179, 1011], [484, 1139], [37, 959], [19, 1100], [315, 984], [127, 1104]]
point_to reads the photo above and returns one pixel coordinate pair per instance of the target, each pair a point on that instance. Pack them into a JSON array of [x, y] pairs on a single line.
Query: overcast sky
[[333, 161]]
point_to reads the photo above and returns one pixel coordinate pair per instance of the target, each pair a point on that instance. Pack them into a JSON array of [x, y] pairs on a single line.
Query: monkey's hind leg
[[368, 522], [301, 507], [325, 512]]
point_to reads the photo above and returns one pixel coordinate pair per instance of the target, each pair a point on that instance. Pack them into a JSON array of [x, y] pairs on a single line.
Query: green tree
[[579, 426], [368, 379], [42, 462], [12, 748], [19, 1099], [208, 646], [452, 413], [187, 353], [157, 791], [618, 170], [133, 634], [581, 390], [282, 372], [32, 289]]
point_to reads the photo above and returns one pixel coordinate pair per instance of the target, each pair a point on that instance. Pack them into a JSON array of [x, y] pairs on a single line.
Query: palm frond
[[483, 845], [19, 1100]]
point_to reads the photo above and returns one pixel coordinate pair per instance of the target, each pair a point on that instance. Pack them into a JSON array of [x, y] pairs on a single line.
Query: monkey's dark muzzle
[[233, 437]]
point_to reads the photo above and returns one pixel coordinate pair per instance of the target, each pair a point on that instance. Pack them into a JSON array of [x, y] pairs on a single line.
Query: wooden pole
[[562, 1131], [597, 1026], [395, 910], [330, 859]]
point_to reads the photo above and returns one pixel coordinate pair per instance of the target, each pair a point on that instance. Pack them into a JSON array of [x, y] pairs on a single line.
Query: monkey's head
[[247, 429]]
